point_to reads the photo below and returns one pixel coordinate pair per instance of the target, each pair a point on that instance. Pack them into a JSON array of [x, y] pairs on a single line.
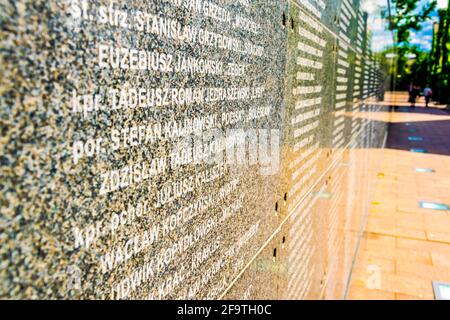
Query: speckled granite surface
[[119, 122]]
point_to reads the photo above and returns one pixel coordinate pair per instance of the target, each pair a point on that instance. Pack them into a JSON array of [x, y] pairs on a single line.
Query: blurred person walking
[[428, 93], [410, 88], [413, 94]]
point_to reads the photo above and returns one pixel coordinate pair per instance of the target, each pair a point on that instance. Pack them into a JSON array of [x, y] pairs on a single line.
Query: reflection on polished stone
[[215, 151], [324, 195]]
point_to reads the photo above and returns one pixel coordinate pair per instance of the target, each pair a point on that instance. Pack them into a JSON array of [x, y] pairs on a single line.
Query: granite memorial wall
[[185, 149]]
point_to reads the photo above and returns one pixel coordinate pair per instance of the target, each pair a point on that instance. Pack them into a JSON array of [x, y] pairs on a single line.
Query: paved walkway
[[405, 247]]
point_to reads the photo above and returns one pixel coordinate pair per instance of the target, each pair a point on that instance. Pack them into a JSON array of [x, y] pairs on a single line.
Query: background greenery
[[412, 63]]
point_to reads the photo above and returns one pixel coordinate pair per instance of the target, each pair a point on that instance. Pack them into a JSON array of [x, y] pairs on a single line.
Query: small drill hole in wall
[[275, 252], [285, 197], [292, 24], [284, 239], [276, 206], [283, 20]]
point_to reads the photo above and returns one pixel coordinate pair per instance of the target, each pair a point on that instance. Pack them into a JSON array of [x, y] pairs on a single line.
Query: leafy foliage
[[407, 16]]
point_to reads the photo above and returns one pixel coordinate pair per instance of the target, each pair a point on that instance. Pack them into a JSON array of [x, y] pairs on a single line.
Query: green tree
[[412, 63], [439, 57], [406, 16]]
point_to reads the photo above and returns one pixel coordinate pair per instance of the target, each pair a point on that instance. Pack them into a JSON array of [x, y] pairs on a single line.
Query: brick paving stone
[[440, 259], [362, 293], [410, 245]]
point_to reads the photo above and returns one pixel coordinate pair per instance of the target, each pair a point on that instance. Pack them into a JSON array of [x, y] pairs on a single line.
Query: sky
[[424, 38], [381, 38]]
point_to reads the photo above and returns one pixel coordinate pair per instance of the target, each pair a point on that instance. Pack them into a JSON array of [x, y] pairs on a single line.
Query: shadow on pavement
[[431, 136]]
